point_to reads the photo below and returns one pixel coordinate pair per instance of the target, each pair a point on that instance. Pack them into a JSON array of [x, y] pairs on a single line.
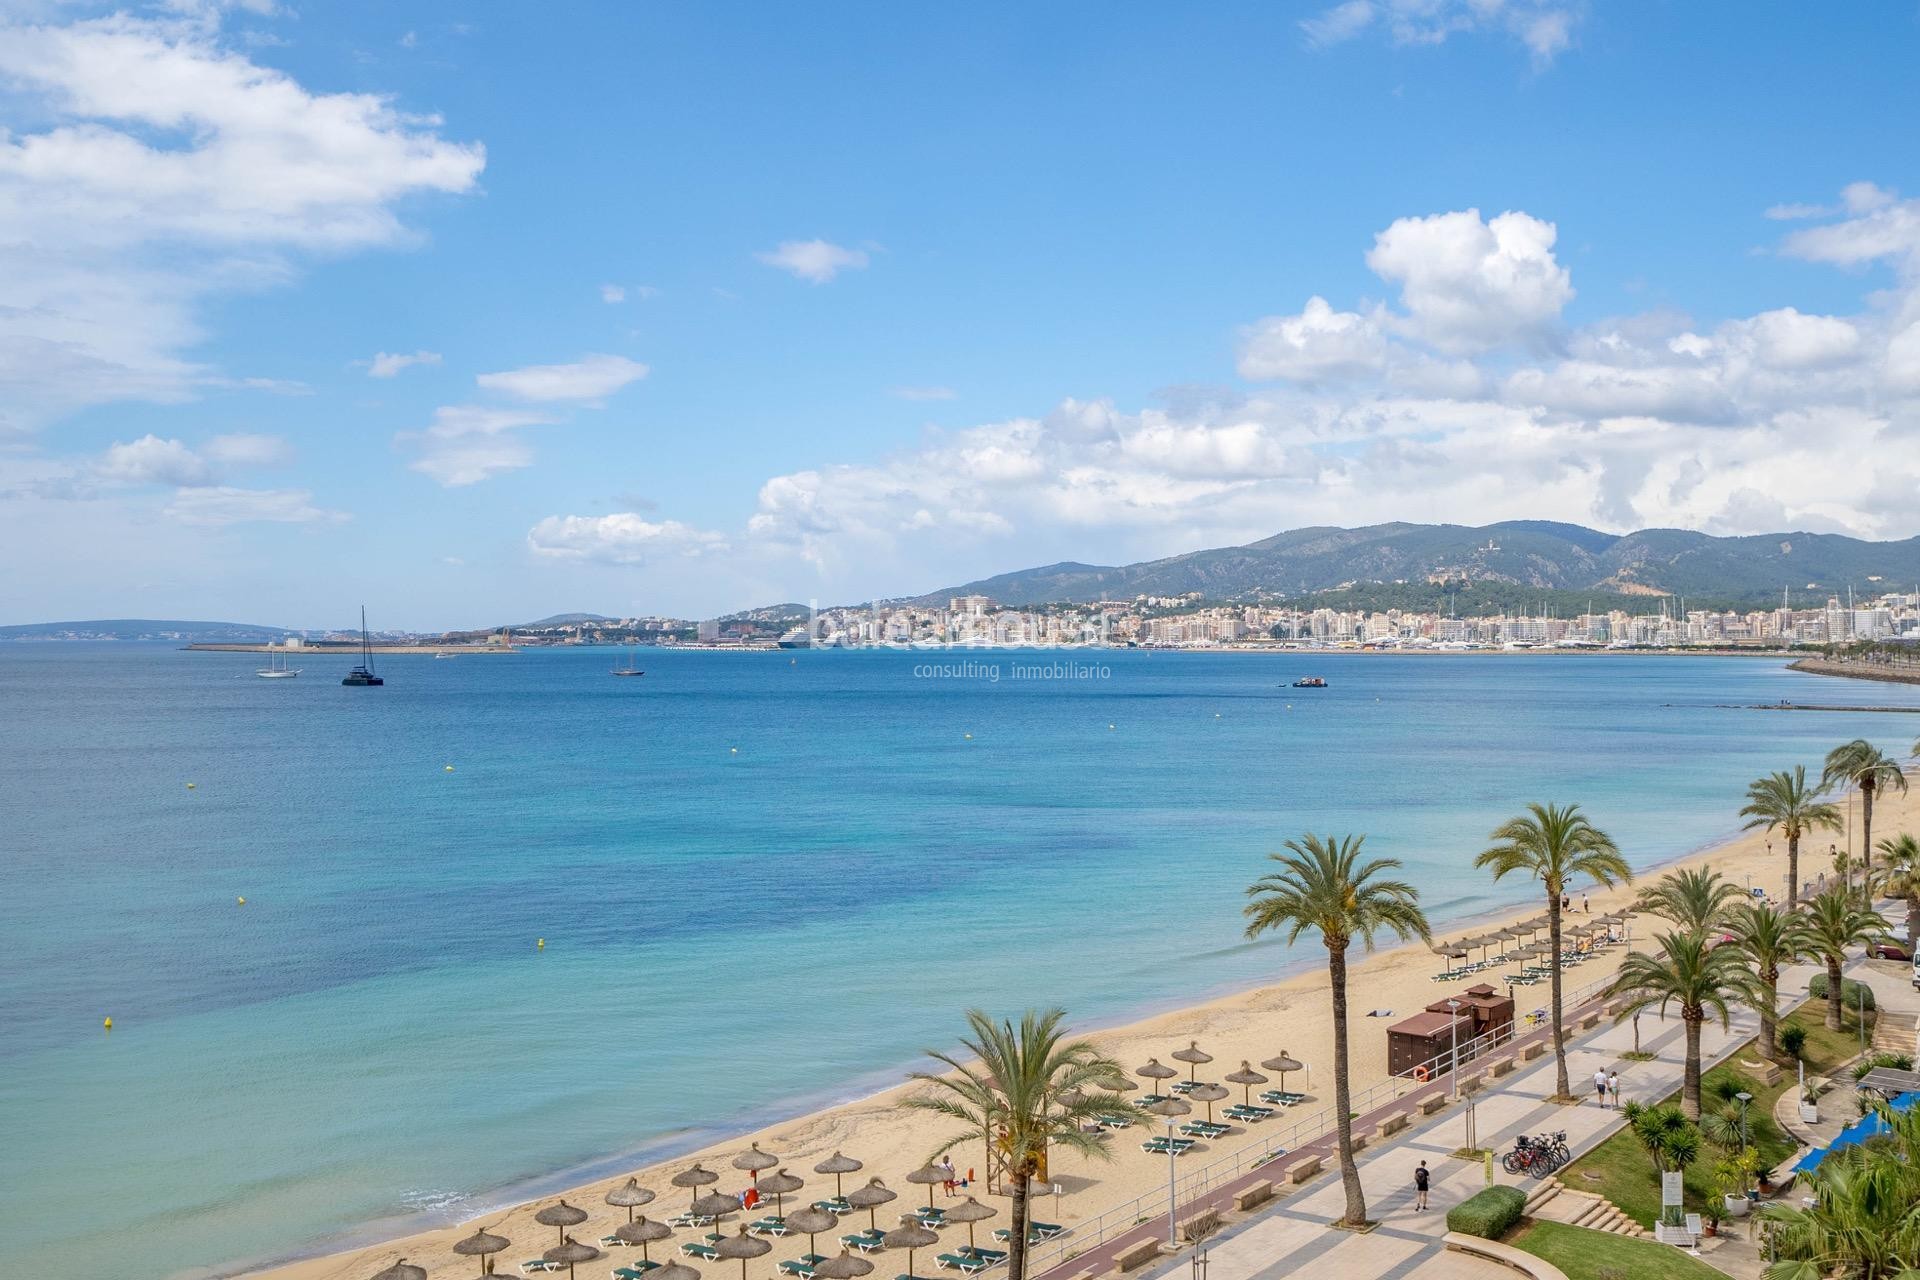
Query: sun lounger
[[1115, 1120], [1036, 1232], [1188, 1086], [701, 1250], [988, 1256], [1203, 1129], [1246, 1114], [537, 1267], [965, 1264], [1160, 1146], [634, 1271], [1283, 1097], [802, 1266], [931, 1217], [837, 1206], [865, 1241], [768, 1226], [684, 1220]]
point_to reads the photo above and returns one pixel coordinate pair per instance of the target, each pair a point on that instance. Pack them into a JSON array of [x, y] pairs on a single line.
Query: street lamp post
[[1453, 1008]]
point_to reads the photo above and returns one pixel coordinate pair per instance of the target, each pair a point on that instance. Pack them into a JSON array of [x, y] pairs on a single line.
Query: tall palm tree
[[1834, 923], [1901, 861], [1554, 844], [1786, 803], [1029, 1085], [1770, 939], [1866, 767], [1323, 886], [1699, 979], [1695, 901]]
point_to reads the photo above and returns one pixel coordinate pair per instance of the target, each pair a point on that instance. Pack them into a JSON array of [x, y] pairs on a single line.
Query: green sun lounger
[[1202, 1129], [988, 1256], [698, 1249], [837, 1206], [635, 1271], [537, 1267], [768, 1226], [960, 1262], [1036, 1232], [1246, 1113], [802, 1266], [865, 1241]]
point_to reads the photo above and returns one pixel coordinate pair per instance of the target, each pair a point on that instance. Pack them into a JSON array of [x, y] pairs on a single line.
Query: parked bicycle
[[1537, 1157]]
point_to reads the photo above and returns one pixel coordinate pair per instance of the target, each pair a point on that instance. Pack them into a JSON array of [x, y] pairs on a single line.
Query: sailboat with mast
[[632, 668], [362, 676], [277, 668]]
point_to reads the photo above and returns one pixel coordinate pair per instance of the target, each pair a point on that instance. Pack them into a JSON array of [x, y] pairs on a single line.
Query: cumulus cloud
[[162, 166], [622, 538], [1879, 226], [817, 261], [590, 378], [1317, 345], [1469, 285], [387, 365], [469, 443]]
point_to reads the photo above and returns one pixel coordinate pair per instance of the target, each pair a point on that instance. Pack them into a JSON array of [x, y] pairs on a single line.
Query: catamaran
[[362, 675]]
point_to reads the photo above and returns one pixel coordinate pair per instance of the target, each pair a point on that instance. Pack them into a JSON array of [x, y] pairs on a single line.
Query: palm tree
[[1784, 802], [1770, 939], [1664, 1133], [1027, 1085], [1862, 764], [1699, 979], [1695, 901], [1554, 844], [1323, 886], [1834, 923], [1864, 1220], [1901, 855]]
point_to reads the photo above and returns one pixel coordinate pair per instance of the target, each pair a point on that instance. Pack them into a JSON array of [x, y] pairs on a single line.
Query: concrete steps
[[1557, 1202], [1894, 1032]]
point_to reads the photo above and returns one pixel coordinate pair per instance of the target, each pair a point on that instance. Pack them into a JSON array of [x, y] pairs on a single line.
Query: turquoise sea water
[[764, 880]]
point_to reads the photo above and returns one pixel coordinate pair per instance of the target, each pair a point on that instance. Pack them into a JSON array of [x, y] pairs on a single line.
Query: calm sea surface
[[764, 880]]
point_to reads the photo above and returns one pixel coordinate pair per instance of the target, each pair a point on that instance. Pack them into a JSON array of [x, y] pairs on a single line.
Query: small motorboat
[[1310, 682]]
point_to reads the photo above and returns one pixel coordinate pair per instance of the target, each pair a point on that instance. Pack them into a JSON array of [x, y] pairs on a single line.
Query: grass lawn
[[1588, 1255], [1621, 1170]]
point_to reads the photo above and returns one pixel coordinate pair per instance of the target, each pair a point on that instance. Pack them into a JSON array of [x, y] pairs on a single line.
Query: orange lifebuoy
[[1422, 1074]]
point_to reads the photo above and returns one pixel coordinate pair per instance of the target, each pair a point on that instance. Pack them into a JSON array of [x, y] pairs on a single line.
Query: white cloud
[[1881, 226], [387, 365], [151, 460], [1317, 345], [612, 293], [622, 538], [1470, 285], [923, 394], [247, 449], [817, 261], [222, 505], [590, 378], [469, 443], [162, 166], [1340, 23], [1544, 27]]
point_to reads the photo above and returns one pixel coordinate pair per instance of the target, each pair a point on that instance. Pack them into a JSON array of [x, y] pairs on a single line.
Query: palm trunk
[[1561, 1089], [1342, 1091], [1793, 870], [1690, 1079], [1017, 1240], [1866, 845], [1834, 1000], [1913, 912], [1770, 1014]]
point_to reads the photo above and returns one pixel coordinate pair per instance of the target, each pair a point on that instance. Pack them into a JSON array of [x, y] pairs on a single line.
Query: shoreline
[[868, 1124], [1854, 671]]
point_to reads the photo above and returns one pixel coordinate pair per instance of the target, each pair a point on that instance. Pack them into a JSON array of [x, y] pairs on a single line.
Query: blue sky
[[719, 305]]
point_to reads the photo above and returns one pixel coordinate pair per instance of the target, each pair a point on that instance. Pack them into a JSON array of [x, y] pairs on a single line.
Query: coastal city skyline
[[343, 326]]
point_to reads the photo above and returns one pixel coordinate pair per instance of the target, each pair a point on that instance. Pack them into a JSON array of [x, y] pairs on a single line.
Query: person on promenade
[[1420, 1180], [1613, 1088], [1600, 1085]]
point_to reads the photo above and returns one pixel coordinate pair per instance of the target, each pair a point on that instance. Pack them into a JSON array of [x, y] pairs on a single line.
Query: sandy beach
[[1292, 1015]]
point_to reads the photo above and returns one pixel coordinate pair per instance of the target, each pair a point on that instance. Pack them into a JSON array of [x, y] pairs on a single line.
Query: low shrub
[[1793, 1038], [1898, 1061], [1852, 994], [1489, 1214]]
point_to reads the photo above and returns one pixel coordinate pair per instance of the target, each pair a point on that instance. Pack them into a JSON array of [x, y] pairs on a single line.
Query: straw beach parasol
[[870, 1198], [561, 1215], [693, 1177], [402, 1270], [743, 1247], [970, 1212], [929, 1176], [1117, 1084], [478, 1245], [1156, 1071], [909, 1235], [1209, 1094], [1246, 1077], [642, 1231], [1193, 1056], [570, 1253], [839, 1166], [781, 1184], [629, 1197], [1284, 1063], [673, 1271], [1167, 1108], [843, 1266], [811, 1221], [715, 1205], [753, 1160]]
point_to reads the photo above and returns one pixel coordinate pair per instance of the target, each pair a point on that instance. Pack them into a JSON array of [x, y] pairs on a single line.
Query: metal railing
[[1191, 1184]]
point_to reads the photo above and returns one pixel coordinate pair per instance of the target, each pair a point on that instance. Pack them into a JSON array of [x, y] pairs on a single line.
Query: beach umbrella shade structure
[[781, 1184], [570, 1253], [970, 1212], [1071, 1098], [1117, 1084], [561, 1216], [753, 1160], [694, 1178], [402, 1270], [1209, 1094], [1194, 1056], [743, 1247], [715, 1204], [843, 1266], [673, 1271], [642, 1231], [929, 1176], [629, 1197], [870, 1198], [1246, 1077], [909, 1235], [839, 1166], [1284, 1063], [811, 1221], [1156, 1071], [478, 1245]]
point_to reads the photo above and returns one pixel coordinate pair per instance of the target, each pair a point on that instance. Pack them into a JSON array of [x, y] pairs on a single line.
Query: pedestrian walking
[[1613, 1088], [1420, 1180], [1600, 1085]]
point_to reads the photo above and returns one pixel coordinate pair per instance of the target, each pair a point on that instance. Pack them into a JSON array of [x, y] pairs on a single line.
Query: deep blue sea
[[764, 880]]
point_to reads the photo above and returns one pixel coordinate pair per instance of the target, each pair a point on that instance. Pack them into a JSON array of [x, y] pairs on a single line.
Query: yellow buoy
[[189, 786], [108, 1024], [542, 944], [240, 902], [449, 768]]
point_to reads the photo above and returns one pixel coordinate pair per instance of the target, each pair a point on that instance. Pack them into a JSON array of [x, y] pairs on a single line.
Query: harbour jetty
[[1905, 671], [351, 648]]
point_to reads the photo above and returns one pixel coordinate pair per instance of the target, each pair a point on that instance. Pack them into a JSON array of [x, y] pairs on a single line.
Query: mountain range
[[1537, 555]]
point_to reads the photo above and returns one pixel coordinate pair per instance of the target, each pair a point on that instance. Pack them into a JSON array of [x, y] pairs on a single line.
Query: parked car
[[1890, 950]]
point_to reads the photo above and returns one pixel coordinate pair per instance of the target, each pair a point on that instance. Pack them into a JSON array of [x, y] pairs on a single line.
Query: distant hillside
[[1537, 554], [145, 629], [559, 620]]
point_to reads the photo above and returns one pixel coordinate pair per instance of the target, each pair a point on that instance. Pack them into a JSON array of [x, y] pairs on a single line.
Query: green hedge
[[1488, 1214], [1849, 991]]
